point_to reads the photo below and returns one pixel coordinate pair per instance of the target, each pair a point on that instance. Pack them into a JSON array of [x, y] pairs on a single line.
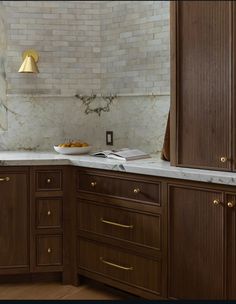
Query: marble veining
[[153, 166]]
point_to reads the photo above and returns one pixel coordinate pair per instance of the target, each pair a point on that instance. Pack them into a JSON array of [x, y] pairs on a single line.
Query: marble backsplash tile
[[37, 123]]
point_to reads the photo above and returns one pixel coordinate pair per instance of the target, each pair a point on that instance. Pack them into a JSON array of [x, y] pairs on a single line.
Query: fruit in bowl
[[73, 147]]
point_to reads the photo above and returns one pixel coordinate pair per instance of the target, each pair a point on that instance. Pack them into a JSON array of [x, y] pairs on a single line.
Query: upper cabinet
[[202, 84]]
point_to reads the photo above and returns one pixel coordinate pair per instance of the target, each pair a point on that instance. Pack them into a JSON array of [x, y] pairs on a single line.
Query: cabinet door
[[201, 84], [196, 243], [231, 246], [13, 222]]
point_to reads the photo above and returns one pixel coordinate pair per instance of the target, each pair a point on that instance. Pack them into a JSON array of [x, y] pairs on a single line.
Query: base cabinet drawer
[[49, 250], [48, 213], [139, 228], [120, 265], [119, 188]]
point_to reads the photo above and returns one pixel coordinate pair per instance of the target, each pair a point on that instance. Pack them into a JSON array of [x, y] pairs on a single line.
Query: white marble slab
[[153, 166]]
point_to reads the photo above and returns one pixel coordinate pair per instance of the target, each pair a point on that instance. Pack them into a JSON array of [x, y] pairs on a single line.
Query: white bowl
[[72, 150]]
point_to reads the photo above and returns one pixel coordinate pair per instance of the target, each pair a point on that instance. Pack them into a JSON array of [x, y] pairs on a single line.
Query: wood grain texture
[[203, 72], [56, 291], [231, 247], [14, 221], [44, 257], [144, 273], [196, 244], [119, 187], [49, 179], [145, 230], [49, 213]]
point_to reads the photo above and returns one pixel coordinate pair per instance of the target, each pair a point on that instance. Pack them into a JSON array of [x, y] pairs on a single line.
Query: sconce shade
[[29, 64]]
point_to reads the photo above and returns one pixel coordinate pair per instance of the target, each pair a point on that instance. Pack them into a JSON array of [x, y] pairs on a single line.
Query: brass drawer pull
[[93, 184], [115, 265], [116, 224], [4, 179], [49, 250], [136, 190], [49, 180], [49, 213], [231, 204]]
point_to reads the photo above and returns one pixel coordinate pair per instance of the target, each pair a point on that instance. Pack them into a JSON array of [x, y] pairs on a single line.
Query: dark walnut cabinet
[[203, 84], [14, 220], [154, 237], [121, 231]]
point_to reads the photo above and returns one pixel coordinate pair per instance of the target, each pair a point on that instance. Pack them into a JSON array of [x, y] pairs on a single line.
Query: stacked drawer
[[120, 231], [47, 219]]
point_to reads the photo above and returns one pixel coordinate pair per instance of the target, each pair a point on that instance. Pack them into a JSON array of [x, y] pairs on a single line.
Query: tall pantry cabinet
[[203, 54]]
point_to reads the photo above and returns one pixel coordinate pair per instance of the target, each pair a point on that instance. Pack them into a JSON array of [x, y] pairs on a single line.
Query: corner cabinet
[[14, 220], [202, 246], [203, 80]]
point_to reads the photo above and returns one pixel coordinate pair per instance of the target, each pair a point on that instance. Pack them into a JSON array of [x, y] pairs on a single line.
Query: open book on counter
[[122, 154]]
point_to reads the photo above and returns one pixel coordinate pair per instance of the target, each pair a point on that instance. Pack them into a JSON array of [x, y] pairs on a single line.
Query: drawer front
[[119, 223], [48, 180], [48, 213], [120, 265], [130, 189], [49, 250]]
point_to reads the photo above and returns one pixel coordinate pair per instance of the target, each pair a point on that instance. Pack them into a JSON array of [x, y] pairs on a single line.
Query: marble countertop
[[152, 166]]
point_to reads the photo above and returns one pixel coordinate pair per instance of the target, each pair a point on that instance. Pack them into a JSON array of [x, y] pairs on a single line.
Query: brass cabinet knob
[[49, 250], [93, 184], [4, 179], [136, 190], [216, 202], [49, 180], [231, 204], [223, 159], [49, 213]]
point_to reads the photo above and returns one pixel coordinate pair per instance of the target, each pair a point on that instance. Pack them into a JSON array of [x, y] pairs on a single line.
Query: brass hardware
[[49, 250], [93, 184], [4, 179], [116, 224], [49, 213], [223, 159], [30, 59], [136, 190], [231, 204], [49, 180], [115, 265], [216, 202]]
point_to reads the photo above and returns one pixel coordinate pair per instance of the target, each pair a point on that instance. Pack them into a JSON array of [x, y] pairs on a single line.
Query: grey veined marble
[[3, 99], [153, 166]]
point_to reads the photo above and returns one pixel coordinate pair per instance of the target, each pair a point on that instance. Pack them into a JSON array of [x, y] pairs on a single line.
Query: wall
[[72, 42], [135, 46]]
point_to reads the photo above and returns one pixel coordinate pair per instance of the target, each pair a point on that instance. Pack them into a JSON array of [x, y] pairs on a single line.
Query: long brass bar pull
[[116, 224], [115, 265], [4, 179]]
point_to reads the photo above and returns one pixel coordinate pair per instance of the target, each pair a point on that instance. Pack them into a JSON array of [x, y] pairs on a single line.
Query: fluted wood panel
[[196, 244], [204, 83], [14, 221], [231, 249]]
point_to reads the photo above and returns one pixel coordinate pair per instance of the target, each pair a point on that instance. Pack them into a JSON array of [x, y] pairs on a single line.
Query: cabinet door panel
[[196, 244], [13, 221], [231, 247], [203, 102]]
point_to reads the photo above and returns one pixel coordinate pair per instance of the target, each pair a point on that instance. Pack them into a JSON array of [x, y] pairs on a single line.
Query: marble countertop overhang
[[153, 166]]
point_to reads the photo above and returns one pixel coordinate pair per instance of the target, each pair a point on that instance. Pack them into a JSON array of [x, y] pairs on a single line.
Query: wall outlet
[[109, 138]]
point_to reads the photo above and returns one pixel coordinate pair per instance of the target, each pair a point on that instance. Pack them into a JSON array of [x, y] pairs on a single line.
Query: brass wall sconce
[[30, 59]]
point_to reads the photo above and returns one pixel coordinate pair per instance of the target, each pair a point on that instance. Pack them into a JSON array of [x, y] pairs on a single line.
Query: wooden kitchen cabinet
[[196, 243], [202, 84], [47, 218], [14, 220], [121, 231]]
